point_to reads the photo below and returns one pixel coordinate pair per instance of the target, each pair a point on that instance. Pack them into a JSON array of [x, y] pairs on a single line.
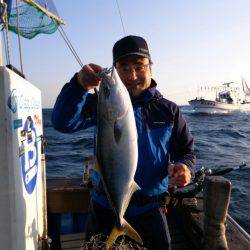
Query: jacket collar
[[149, 94]]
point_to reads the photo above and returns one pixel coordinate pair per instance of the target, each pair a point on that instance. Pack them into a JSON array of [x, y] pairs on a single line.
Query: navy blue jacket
[[163, 135]]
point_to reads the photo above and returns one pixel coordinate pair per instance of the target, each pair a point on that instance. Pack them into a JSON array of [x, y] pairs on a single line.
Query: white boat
[[229, 97]]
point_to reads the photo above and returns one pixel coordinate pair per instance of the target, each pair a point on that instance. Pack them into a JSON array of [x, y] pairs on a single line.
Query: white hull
[[210, 107]]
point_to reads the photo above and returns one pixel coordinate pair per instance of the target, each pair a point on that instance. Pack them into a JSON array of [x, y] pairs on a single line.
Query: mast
[[3, 10], [1, 53], [248, 89], [245, 87]]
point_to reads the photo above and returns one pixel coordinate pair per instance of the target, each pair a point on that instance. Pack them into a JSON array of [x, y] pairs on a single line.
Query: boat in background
[[229, 97]]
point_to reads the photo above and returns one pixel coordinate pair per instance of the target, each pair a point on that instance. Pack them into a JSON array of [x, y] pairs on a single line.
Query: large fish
[[117, 150]]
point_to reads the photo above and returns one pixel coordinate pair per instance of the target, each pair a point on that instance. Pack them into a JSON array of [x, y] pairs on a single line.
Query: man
[[163, 138]]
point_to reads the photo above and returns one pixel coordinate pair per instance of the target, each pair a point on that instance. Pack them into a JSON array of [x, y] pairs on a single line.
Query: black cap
[[130, 45]]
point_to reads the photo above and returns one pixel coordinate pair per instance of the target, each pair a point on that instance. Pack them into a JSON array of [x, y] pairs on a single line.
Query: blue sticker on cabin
[[18, 123], [12, 101], [29, 159]]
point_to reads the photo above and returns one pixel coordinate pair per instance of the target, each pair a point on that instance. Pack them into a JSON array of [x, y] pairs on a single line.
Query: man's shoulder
[[172, 106]]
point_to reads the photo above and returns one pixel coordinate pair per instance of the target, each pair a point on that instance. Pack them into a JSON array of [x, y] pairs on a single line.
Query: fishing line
[[119, 11], [69, 44]]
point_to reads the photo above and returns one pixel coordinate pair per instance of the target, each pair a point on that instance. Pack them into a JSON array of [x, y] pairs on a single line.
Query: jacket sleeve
[[74, 109], [182, 142]]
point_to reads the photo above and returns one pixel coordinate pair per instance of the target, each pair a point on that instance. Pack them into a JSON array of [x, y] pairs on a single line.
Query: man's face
[[135, 72]]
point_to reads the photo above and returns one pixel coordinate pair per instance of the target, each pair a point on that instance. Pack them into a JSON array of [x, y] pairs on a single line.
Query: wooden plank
[[72, 241], [59, 183], [71, 237], [64, 201], [71, 244], [66, 195]]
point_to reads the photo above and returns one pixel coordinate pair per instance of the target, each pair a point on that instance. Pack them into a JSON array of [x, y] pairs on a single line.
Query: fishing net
[[98, 242], [35, 17]]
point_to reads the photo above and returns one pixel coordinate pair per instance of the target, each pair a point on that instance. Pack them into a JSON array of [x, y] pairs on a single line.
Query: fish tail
[[130, 231], [126, 229]]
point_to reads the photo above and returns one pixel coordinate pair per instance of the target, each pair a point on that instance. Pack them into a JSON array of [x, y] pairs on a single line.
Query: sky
[[192, 43]]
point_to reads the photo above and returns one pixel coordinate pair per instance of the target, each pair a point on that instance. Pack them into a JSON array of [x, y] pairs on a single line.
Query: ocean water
[[221, 141]]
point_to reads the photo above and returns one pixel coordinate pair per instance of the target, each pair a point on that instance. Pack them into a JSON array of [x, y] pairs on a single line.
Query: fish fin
[[117, 131], [126, 229], [134, 187], [130, 231]]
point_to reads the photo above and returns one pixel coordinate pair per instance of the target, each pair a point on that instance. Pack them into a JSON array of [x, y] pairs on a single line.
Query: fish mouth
[[106, 71], [107, 78]]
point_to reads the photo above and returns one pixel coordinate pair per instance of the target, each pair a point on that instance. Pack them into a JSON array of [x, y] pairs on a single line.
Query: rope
[[19, 37], [119, 11]]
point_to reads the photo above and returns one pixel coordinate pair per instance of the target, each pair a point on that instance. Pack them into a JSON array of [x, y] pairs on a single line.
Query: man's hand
[[180, 173], [87, 76]]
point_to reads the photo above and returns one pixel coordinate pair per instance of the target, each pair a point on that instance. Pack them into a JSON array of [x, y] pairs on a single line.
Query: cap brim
[[132, 54]]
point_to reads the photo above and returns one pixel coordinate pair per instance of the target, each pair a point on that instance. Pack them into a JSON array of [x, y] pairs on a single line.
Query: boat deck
[[185, 223], [75, 241]]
